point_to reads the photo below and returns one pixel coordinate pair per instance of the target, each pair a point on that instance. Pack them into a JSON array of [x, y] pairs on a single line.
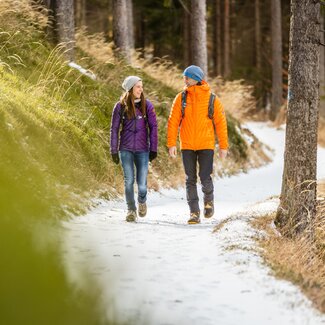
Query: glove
[[152, 155], [115, 158]]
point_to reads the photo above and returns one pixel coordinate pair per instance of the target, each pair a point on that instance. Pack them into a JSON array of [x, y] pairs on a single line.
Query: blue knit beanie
[[194, 72]]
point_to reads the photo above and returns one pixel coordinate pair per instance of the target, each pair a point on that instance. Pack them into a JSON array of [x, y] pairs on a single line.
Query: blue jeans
[[140, 160]]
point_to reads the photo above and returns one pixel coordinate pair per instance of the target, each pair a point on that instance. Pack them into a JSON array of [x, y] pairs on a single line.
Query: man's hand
[[172, 152], [223, 153]]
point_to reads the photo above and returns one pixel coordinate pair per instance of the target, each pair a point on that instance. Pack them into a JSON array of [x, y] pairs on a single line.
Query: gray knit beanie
[[129, 82]]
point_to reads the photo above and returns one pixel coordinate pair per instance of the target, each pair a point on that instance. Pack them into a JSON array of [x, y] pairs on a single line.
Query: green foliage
[[238, 146]]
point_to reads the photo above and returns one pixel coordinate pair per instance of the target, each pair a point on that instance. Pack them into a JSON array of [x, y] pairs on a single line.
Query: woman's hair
[[127, 100]]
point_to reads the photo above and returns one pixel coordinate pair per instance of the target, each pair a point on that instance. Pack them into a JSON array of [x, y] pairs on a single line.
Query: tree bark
[[277, 83], [199, 34], [226, 58], [80, 13], [322, 69], [219, 40], [298, 197], [187, 54], [217, 57], [130, 23], [120, 29], [62, 26], [258, 38]]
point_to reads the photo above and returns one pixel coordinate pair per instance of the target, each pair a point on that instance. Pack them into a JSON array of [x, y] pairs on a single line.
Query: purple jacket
[[134, 133]]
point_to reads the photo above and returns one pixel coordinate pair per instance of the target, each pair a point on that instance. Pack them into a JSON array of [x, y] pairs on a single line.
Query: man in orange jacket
[[197, 138]]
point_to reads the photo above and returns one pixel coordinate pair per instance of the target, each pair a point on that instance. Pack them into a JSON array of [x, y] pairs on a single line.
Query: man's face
[[189, 81]]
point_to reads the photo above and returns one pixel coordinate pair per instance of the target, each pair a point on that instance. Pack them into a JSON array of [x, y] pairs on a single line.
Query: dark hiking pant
[[205, 159]]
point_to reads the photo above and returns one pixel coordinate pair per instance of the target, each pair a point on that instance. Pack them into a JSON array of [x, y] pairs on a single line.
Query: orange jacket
[[196, 129]]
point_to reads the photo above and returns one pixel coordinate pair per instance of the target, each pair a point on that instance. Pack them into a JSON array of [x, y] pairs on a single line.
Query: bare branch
[[184, 6]]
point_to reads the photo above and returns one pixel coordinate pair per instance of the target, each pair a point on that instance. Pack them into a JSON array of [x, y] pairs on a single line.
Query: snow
[[82, 70], [163, 271]]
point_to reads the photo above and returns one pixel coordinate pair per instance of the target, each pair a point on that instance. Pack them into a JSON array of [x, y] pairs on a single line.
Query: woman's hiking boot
[[142, 208], [194, 218], [208, 209], [131, 216]]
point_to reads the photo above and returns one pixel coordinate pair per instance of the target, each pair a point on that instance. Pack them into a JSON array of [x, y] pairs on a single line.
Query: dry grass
[[221, 224], [321, 132], [237, 98], [95, 46], [298, 260], [160, 69]]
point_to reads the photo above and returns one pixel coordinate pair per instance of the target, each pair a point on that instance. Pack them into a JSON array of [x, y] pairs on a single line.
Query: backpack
[[210, 107]]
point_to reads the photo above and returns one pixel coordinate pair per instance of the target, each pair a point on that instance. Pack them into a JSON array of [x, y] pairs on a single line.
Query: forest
[[62, 63]]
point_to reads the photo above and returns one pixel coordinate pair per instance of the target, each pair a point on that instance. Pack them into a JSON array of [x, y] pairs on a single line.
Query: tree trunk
[[258, 38], [277, 84], [130, 23], [109, 35], [80, 13], [216, 38], [322, 69], [219, 37], [63, 25], [199, 34], [120, 29], [140, 30], [298, 198], [226, 67], [187, 55]]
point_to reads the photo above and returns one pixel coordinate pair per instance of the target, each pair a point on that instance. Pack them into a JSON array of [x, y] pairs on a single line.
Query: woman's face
[[138, 89]]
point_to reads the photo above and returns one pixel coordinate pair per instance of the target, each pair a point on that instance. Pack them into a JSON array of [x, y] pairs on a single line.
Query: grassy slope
[[54, 135]]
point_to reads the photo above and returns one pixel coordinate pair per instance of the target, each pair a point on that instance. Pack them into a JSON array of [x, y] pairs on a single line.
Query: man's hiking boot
[[142, 209], [131, 216], [208, 209], [194, 218]]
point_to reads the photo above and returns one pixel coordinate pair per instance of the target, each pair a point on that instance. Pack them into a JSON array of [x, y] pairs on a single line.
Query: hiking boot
[[142, 208], [131, 216], [208, 209], [194, 218]]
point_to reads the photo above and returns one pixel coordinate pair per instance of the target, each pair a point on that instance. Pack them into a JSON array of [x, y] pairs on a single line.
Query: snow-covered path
[[163, 271]]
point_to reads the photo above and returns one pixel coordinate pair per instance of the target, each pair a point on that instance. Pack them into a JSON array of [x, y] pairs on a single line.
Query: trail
[[163, 271]]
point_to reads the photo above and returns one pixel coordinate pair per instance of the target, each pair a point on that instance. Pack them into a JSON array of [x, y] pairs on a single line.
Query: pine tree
[[62, 25], [226, 53], [120, 29], [298, 197], [198, 32], [277, 82]]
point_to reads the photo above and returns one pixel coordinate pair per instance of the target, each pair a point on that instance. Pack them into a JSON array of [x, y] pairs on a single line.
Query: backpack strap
[[211, 110], [184, 96], [211, 106], [121, 113]]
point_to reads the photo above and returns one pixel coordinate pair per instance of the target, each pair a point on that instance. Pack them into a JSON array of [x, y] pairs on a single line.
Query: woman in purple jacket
[[137, 143]]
